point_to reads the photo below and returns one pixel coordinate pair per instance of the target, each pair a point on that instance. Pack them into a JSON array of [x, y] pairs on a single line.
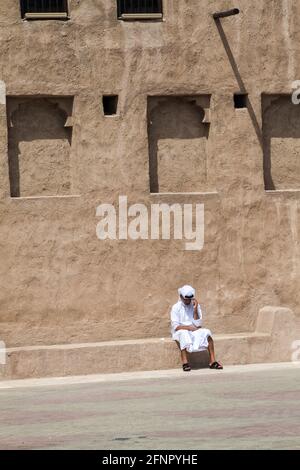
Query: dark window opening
[[110, 105], [139, 7], [240, 101], [30, 8]]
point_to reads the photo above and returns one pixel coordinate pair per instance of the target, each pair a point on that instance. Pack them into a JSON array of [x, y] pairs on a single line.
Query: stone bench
[[272, 341]]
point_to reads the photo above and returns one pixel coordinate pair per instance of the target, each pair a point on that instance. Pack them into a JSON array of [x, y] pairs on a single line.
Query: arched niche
[[39, 142], [178, 130], [281, 141]]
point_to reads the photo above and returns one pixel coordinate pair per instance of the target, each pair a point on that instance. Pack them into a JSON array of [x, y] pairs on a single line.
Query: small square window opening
[[240, 101], [110, 105]]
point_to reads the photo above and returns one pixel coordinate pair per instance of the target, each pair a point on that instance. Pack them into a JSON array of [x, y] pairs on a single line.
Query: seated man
[[187, 331]]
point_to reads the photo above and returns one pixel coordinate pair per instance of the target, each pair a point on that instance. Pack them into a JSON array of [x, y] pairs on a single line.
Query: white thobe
[[192, 341]]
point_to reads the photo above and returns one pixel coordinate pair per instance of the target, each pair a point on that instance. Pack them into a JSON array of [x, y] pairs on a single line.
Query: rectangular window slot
[[141, 16], [44, 9], [240, 101], [140, 9], [110, 105]]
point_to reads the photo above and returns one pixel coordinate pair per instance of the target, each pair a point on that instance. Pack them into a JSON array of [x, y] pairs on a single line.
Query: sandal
[[186, 367], [216, 365]]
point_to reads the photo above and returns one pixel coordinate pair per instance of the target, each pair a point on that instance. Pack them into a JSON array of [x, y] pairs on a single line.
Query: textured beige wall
[[58, 282]]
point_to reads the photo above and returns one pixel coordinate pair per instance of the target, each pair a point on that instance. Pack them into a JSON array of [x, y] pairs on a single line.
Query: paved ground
[[243, 407]]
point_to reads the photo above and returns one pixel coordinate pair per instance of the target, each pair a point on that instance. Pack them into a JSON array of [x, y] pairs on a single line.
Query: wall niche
[[281, 142], [39, 143], [178, 130]]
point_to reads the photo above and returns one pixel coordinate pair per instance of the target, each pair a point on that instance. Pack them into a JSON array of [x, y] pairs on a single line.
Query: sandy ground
[[242, 407]]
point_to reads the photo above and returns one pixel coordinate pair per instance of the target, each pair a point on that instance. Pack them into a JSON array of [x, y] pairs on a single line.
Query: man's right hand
[[187, 328], [194, 328]]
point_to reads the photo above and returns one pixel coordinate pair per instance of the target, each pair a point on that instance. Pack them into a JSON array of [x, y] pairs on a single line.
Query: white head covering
[[187, 292]]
